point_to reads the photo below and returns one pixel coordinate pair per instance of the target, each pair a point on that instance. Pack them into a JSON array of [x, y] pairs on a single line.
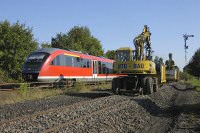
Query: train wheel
[[149, 85], [70, 83], [61, 83], [74, 82]]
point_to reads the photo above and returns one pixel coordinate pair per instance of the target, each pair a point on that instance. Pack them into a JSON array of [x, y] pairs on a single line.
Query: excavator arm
[[143, 42]]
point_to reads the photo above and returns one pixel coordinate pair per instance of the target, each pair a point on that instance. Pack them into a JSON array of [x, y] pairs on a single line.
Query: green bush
[[24, 90], [195, 82], [4, 78], [185, 76]]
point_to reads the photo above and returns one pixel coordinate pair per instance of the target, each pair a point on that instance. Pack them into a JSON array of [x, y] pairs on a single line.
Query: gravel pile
[[30, 107], [54, 118], [138, 115], [125, 118], [173, 108]]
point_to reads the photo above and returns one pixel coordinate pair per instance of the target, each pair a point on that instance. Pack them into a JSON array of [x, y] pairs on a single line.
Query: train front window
[[35, 61], [123, 55], [37, 57]]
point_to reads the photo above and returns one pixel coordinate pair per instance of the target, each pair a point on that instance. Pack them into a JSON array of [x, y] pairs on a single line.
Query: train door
[[95, 68]]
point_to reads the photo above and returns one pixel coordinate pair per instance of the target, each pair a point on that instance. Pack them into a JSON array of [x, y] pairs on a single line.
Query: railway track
[[32, 85], [55, 119]]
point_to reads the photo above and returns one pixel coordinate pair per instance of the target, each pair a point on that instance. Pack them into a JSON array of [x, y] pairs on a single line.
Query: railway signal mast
[[185, 36]]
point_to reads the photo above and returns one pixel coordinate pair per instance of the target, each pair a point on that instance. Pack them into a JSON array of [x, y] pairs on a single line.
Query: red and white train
[[52, 64]]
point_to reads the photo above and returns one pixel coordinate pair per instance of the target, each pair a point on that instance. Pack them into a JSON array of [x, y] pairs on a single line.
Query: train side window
[[53, 62], [99, 66], [76, 62], [103, 67], [68, 60], [88, 63], [107, 68], [56, 61], [84, 63], [110, 68], [62, 60]]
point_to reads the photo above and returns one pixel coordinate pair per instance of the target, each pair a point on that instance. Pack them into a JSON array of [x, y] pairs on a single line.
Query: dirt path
[[181, 114], [187, 110]]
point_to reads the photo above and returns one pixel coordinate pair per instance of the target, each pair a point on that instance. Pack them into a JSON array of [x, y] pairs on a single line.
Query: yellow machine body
[[172, 74], [163, 74], [126, 63], [137, 71], [135, 67]]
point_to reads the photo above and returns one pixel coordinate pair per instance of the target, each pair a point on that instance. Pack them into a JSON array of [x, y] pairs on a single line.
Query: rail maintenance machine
[[135, 68]]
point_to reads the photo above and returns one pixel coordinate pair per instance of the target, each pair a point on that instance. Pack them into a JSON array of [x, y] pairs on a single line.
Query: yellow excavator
[[172, 71], [137, 72]]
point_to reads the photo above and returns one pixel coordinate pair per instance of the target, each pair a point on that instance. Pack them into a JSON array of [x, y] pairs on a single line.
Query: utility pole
[[185, 36]]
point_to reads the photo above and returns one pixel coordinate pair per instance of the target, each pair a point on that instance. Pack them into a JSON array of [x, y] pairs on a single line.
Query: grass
[[10, 97], [195, 82], [24, 94], [42, 93], [81, 88]]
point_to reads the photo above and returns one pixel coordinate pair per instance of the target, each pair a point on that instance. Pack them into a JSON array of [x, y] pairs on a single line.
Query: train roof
[[52, 50], [48, 50]]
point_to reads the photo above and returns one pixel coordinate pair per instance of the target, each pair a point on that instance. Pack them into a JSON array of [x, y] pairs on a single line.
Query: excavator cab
[[124, 54], [127, 63]]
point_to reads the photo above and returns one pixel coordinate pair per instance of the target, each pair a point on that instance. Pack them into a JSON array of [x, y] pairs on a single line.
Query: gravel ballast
[[174, 108]]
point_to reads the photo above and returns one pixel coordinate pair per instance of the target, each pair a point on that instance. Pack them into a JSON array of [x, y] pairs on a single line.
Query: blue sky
[[114, 22]]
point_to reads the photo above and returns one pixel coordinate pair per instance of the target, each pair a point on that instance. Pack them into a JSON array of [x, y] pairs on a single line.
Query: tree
[[45, 45], [194, 64], [60, 41], [16, 43], [110, 54], [158, 61], [78, 39]]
